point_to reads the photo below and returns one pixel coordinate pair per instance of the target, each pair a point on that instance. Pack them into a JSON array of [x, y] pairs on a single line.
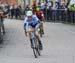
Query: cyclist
[[30, 22], [34, 6], [40, 15]]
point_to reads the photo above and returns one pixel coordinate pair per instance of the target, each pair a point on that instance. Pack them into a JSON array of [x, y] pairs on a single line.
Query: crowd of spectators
[[53, 11]]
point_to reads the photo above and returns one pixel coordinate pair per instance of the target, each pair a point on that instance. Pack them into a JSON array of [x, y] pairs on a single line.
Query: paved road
[[58, 43]]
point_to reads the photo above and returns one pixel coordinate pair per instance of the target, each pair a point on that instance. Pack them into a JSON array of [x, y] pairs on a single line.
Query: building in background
[[10, 2], [20, 2], [23, 3], [2, 1]]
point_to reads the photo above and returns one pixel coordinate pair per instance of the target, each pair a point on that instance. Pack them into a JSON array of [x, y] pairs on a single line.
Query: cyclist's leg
[[39, 40], [29, 29], [38, 35], [42, 27], [37, 31]]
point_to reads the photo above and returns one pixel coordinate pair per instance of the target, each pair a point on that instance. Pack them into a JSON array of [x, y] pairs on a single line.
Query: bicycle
[[36, 46]]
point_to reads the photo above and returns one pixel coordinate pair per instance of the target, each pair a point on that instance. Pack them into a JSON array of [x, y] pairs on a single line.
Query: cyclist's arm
[[25, 27], [36, 17], [42, 14], [25, 23]]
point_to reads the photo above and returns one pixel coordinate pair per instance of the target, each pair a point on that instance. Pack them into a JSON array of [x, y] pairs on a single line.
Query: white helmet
[[29, 13]]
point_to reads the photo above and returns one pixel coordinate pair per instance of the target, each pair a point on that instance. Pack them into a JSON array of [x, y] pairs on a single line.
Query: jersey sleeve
[[36, 17], [25, 20], [25, 23], [42, 14]]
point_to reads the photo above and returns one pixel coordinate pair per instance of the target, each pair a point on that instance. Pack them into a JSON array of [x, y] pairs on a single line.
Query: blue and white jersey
[[32, 22]]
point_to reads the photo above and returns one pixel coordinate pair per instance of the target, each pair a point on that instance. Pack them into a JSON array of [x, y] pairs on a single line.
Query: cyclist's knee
[[37, 32], [29, 30]]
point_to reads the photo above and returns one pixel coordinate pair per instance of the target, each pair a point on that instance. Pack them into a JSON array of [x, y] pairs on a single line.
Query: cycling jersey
[[39, 14], [34, 22]]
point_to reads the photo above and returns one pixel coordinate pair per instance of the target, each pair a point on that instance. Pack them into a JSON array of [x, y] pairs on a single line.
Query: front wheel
[[35, 53], [38, 50]]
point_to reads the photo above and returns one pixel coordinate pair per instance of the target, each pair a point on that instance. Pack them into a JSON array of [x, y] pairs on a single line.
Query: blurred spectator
[[63, 12], [42, 6], [34, 5], [49, 10], [26, 9], [18, 12], [72, 12], [54, 11], [12, 11], [2, 20]]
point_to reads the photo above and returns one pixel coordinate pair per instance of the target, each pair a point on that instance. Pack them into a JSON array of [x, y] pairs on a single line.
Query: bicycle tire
[[38, 52], [35, 48], [35, 53]]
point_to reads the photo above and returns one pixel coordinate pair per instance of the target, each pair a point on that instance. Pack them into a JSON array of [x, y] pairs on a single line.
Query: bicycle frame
[[34, 39], [35, 44]]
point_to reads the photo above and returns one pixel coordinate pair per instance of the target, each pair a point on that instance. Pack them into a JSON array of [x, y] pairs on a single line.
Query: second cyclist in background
[[40, 16]]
